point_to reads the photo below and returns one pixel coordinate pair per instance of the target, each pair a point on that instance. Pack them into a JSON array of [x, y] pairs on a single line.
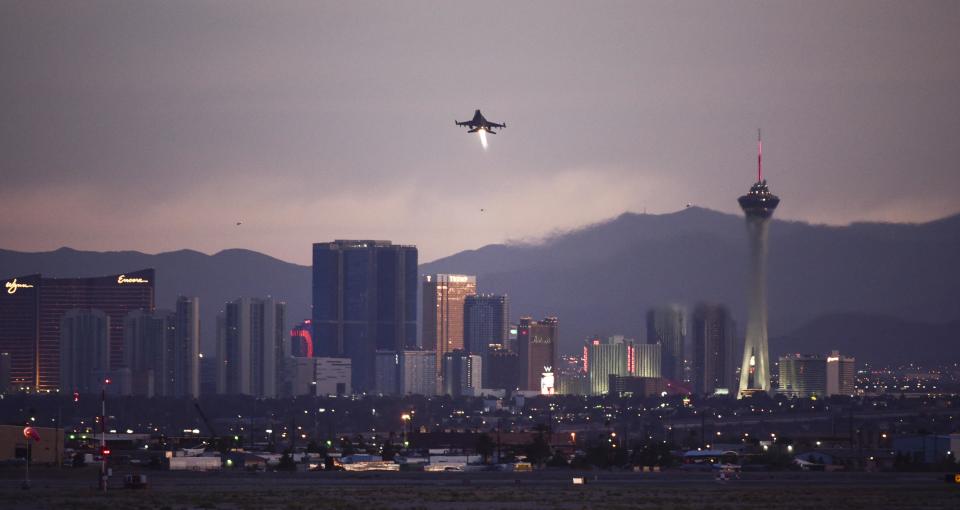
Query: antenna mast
[[759, 157]]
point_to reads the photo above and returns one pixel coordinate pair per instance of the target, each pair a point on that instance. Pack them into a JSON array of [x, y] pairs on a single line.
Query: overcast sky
[[158, 125]]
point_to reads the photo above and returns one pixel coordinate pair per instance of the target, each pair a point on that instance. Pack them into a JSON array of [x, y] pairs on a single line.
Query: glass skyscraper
[[666, 326], [364, 300], [486, 321]]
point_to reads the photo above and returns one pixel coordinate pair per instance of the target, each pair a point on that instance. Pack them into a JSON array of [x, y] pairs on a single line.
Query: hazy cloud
[[157, 126]]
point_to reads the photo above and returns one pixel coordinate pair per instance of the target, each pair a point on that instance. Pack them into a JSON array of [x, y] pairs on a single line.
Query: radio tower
[[758, 206]]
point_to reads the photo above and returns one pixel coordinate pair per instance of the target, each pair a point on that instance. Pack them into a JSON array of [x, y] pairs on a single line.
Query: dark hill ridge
[[875, 339], [600, 279], [215, 279]]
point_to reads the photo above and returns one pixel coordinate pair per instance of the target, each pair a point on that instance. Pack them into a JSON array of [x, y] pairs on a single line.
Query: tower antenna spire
[[759, 157]]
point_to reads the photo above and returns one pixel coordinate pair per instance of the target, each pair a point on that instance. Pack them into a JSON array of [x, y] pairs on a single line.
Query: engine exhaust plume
[[483, 138]]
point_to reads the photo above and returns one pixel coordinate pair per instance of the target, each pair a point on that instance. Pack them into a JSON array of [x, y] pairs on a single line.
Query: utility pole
[[103, 435]]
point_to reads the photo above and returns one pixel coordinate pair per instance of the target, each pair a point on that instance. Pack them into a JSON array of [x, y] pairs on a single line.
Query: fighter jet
[[478, 123]]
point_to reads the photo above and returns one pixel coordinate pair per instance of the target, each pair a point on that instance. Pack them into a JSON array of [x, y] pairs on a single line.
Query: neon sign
[[122, 279], [13, 285]]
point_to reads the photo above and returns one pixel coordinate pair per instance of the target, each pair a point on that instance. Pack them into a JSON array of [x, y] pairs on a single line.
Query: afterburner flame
[[483, 138]]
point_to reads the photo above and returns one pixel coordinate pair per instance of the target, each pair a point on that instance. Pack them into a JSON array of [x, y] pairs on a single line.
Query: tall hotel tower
[[364, 301], [758, 206]]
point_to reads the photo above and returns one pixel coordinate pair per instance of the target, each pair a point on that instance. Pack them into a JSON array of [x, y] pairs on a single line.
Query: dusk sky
[[157, 126]]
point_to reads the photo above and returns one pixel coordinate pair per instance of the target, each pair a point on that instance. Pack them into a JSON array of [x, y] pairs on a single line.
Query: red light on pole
[[76, 396]]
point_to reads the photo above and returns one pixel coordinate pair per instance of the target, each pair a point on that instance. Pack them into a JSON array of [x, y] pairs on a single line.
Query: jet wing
[[494, 124]]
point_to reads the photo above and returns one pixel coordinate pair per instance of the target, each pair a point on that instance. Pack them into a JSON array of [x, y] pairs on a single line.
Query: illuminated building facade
[[486, 322], [647, 360], [758, 206], [803, 376], [536, 341], [603, 360], [301, 340], [31, 308], [714, 334], [841, 374], [418, 372], [667, 326], [364, 300], [444, 297]]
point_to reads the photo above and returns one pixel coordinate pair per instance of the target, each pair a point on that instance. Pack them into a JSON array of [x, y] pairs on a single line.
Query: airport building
[[364, 300], [444, 298], [32, 308]]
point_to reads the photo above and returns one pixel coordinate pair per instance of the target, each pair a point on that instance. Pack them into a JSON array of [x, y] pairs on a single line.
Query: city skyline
[[195, 120]]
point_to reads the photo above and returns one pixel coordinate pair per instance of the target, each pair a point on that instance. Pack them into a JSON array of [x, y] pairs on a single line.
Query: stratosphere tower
[[758, 206]]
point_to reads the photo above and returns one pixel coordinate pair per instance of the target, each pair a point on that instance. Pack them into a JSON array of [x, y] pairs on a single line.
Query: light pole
[[103, 435], [405, 421]]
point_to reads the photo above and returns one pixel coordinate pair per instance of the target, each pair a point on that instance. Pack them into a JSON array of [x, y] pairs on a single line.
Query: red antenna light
[[759, 157]]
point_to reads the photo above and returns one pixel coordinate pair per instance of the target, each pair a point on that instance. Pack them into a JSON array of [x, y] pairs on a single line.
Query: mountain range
[[883, 292]]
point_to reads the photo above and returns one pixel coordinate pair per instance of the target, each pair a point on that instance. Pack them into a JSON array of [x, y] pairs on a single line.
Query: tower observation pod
[[758, 206]]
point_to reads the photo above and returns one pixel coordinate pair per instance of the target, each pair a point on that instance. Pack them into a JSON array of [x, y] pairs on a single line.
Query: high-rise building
[[758, 206], [253, 335], [301, 340], [502, 370], [186, 348], [5, 386], [647, 360], [633, 386], [667, 326], [803, 375], [462, 373], [418, 372], [31, 309], [714, 335], [603, 359], [387, 370], [536, 341], [149, 346], [841, 374], [209, 365], [444, 297], [333, 376], [162, 350], [486, 320], [84, 350], [364, 300]]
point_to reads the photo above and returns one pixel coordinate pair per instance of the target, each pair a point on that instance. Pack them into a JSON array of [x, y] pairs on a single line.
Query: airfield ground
[[75, 489]]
